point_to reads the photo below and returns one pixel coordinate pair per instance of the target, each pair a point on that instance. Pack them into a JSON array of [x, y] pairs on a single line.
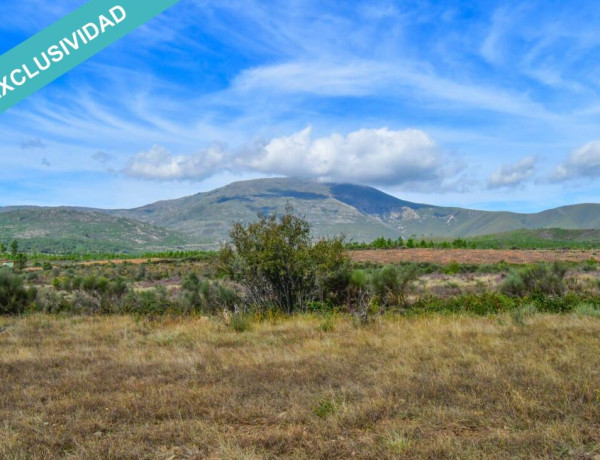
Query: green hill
[[202, 221], [362, 213], [66, 230], [547, 238]]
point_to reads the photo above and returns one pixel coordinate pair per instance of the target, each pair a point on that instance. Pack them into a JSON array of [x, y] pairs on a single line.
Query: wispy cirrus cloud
[[212, 73]]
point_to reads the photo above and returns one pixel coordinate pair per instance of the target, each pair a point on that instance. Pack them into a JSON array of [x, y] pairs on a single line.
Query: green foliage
[[278, 264], [539, 279], [14, 249], [14, 297], [240, 322], [452, 268], [392, 284], [325, 408], [151, 302], [20, 260], [207, 296], [587, 309], [521, 314]]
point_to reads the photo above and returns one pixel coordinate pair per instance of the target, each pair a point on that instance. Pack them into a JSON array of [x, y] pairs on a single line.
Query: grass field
[[303, 387]]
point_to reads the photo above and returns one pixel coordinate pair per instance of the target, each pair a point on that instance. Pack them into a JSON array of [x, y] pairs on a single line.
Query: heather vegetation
[[274, 266]]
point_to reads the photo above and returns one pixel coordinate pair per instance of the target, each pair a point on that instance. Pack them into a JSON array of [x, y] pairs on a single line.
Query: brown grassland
[[474, 256], [302, 387]]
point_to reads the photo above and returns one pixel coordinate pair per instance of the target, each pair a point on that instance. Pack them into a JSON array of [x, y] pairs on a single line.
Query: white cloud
[[581, 164], [374, 156], [363, 77], [513, 175], [160, 164]]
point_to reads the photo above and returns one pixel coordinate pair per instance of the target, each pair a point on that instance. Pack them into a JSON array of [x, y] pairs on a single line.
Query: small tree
[[14, 248], [278, 263], [20, 261]]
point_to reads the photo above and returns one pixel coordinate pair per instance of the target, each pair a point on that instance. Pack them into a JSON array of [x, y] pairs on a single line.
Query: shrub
[[520, 314], [391, 284], [48, 301], [539, 279], [207, 296], [587, 309], [14, 297], [151, 302], [277, 262]]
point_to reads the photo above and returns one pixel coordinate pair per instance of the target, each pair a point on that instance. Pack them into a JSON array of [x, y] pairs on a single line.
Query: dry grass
[[428, 387], [474, 256]]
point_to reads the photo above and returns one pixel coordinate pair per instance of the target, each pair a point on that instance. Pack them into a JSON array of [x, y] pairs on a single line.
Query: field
[[474, 256], [302, 387]]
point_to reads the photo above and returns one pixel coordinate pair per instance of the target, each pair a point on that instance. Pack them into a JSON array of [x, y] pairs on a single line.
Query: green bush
[[587, 309], [207, 296], [278, 264], [14, 296], [536, 280], [392, 284]]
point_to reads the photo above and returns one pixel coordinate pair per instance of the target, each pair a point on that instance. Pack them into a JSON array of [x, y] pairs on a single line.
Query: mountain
[[362, 213], [71, 230], [203, 220]]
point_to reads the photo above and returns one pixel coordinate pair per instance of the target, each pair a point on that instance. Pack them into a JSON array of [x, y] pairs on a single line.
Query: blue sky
[[491, 105]]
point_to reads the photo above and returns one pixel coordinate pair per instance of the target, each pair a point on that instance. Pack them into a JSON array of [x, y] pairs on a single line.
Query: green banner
[[69, 42]]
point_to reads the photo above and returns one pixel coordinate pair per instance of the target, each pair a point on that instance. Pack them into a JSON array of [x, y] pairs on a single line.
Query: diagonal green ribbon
[[69, 42]]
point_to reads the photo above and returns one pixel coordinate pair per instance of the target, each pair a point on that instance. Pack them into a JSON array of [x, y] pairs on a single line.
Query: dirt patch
[[473, 256]]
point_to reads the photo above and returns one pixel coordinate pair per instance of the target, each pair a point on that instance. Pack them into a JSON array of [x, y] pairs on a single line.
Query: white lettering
[[118, 9], [28, 72], [57, 54], [13, 78], [104, 23], [73, 44], [5, 86], [37, 61], [91, 35]]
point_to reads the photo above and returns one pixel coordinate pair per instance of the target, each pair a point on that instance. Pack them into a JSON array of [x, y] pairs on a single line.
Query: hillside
[[203, 220], [362, 213], [548, 238], [67, 230]]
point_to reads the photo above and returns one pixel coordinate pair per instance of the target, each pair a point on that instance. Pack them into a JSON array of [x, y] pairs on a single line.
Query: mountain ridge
[[360, 212]]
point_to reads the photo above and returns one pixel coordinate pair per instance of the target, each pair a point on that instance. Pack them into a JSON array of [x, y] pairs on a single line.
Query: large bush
[[14, 297], [277, 262], [536, 280]]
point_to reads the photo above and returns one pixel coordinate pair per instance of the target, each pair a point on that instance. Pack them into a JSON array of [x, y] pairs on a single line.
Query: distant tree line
[[388, 243]]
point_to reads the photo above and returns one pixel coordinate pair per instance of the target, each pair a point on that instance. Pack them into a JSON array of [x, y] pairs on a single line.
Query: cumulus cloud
[[513, 175], [376, 156], [160, 164], [33, 143], [371, 156], [583, 163]]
